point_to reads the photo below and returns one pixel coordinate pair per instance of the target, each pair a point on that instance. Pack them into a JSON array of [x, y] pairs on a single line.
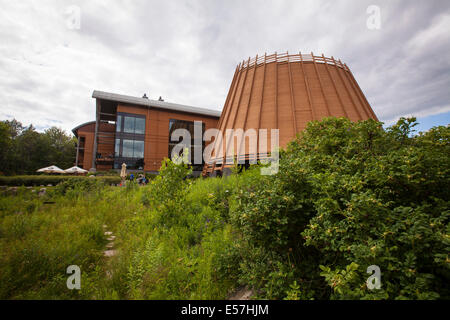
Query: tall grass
[[165, 250], [38, 241]]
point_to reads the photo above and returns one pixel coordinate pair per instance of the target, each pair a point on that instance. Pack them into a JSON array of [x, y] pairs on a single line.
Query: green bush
[[350, 195], [347, 196], [173, 249], [45, 180], [73, 188]]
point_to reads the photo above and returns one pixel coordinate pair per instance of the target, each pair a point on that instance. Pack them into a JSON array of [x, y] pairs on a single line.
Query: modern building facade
[[285, 92], [278, 91], [135, 131]]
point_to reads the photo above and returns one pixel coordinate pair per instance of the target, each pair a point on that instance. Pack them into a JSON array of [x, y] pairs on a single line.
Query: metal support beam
[[78, 151], [108, 114], [97, 123]]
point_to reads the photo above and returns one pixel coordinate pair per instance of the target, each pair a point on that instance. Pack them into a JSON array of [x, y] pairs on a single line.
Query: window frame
[[190, 127], [121, 135]]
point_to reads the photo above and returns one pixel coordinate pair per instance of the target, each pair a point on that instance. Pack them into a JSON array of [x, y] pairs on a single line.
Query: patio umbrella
[[51, 169], [76, 170], [123, 172]]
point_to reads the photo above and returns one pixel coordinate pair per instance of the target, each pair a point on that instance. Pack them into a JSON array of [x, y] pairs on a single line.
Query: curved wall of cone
[[285, 92]]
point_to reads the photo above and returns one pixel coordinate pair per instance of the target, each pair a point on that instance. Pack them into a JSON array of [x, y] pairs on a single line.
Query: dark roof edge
[[74, 130], [154, 103]]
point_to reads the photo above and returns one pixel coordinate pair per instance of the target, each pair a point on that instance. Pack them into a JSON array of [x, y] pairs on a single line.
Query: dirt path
[[109, 252], [243, 293]]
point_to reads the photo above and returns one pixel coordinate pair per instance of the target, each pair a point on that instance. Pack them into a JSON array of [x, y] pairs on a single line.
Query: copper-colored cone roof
[[285, 92]]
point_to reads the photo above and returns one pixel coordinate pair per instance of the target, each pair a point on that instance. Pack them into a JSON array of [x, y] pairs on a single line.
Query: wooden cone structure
[[285, 92]]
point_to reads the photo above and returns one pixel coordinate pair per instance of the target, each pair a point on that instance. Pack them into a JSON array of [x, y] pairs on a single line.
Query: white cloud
[[186, 52]]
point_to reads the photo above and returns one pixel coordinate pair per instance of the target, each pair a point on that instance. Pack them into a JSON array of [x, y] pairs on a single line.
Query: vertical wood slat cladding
[[236, 111], [156, 141], [227, 108], [88, 132], [308, 92], [285, 92]]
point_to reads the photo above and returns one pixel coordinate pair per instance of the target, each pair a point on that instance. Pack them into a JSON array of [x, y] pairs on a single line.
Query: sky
[[55, 53]]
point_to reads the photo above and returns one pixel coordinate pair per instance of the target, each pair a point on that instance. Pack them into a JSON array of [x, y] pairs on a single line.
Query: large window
[[127, 148], [119, 123], [129, 144], [117, 148], [130, 123], [189, 126], [132, 148], [138, 149], [139, 126]]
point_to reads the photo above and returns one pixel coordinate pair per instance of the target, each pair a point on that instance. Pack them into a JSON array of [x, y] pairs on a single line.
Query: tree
[[5, 145], [15, 127], [23, 150], [62, 147]]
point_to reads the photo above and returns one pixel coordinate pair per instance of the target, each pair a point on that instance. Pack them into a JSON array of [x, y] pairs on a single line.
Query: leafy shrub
[[81, 184], [45, 180], [347, 196], [111, 172], [350, 195], [173, 249]]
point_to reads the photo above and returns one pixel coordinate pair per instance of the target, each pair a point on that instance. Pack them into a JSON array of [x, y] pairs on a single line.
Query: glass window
[[128, 124], [130, 148], [127, 148], [140, 126], [119, 123], [138, 149], [189, 126], [117, 148]]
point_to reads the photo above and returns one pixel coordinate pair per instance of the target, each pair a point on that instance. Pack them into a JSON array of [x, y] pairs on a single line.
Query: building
[[285, 92], [278, 91], [134, 131]]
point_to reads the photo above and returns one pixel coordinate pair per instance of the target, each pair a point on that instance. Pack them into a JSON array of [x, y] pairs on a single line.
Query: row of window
[[130, 146], [189, 126], [130, 131], [182, 124]]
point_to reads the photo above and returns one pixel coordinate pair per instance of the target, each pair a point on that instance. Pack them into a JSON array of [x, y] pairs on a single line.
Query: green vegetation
[[23, 150], [39, 180], [347, 196], [350, 195]]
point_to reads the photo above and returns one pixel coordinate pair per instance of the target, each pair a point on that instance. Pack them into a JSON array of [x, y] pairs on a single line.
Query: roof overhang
[[154, 103], [75, 130]]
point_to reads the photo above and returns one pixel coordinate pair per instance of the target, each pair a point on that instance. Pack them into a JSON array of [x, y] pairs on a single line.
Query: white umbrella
[[123, 172], [75, 170], [51, 169]]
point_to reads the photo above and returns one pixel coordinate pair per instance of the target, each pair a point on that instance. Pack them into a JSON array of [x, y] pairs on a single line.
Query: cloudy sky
[[186, 52]]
